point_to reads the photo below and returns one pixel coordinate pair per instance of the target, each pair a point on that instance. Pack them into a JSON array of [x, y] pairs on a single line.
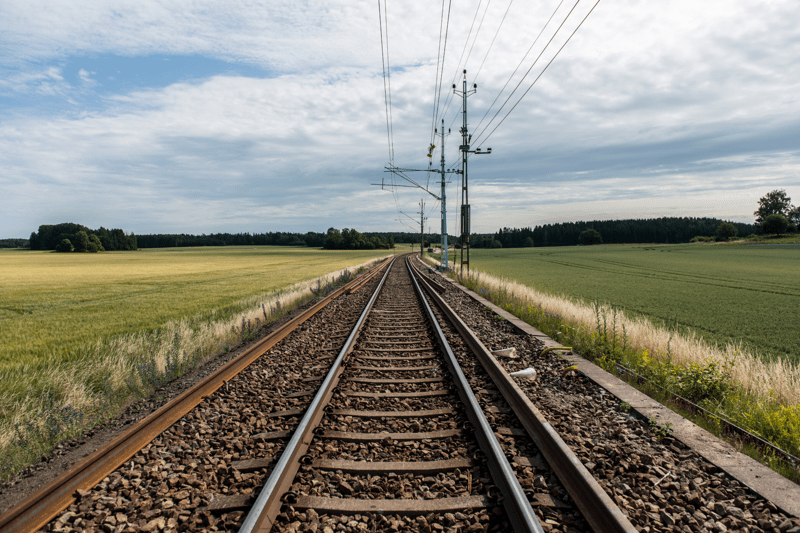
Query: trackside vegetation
[[84, 335], [760, 394]]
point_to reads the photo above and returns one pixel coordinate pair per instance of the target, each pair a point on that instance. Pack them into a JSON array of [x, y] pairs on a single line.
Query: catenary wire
[[436, 81], [541, 73], [493, 39], [441, 72], [488, 110], [458, 65], [386, 99], [477, 32], [388, 71]]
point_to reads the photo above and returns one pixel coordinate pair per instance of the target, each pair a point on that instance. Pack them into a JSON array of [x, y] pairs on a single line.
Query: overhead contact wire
[[389, 141], [493, 39], [436, 82], [477, 32], [458, 65], [542, 72], [388, 72], [511, 77]]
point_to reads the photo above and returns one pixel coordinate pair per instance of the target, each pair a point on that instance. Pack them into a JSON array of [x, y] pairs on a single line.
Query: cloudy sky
[[198, 117]]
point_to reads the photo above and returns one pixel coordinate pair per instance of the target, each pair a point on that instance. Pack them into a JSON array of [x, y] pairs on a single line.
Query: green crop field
[[53, 304], [723, 292]]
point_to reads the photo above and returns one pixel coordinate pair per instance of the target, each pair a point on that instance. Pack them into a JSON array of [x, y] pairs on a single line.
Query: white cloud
[[86, 77], [44, 81], [645, 108]]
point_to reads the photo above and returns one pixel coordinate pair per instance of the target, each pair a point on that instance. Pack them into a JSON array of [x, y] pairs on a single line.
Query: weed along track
[[383, 411]]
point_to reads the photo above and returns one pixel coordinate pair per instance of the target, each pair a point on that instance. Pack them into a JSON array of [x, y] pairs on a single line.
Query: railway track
[[381, 411]]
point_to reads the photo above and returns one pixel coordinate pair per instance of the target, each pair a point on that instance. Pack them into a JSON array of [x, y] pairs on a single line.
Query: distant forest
[[14, 243], [344, 239], [655, 230]]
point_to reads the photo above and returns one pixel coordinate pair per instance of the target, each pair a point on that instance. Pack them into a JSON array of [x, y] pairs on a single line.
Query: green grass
[[723, 292], [52, 304]]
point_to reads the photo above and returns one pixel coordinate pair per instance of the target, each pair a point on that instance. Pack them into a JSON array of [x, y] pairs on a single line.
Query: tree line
[[278, 238], [775, 215], [333, 239], [71, 237], [14, 243], [656, 230], [350, 239]]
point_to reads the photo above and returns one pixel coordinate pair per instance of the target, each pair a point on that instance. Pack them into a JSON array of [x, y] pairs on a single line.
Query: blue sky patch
[[75, 84], [119, 74]]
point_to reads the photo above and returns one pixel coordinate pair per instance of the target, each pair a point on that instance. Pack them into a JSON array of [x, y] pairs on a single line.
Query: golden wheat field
[[83, 335], [51, 304]]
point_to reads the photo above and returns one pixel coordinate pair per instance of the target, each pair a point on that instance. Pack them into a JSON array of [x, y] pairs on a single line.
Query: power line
[[455, 117], [539, 76], [437, 87], [385, 90], [477, 32], [387, 96], [432, 209], [458, 66], [488, 110], [493, 39], [387, 77]]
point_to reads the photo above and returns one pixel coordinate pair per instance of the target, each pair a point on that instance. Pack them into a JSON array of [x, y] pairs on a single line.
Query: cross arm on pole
[[401, 172]]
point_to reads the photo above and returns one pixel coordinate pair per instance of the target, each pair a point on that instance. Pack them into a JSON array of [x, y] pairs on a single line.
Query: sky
[[204, 117]]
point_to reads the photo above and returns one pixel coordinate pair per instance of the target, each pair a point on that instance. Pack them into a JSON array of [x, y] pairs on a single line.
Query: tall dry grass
[[778, 380], [63, 398], [773, 381]]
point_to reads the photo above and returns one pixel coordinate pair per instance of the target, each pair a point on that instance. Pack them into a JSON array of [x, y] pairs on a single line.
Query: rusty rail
[[37, 509]]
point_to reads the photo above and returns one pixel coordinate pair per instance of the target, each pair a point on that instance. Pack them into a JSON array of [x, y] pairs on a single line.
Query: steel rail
[[33, 512], [268, 503], [600, 511], [519, 510]]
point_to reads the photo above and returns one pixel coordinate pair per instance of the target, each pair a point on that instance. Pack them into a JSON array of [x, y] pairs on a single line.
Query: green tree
[[774, 203], [333, 239], [725, 231], [590, 236], [775, 224], [81, 241], [528, 243], [94, 244], [794, 216], [65, 246]]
